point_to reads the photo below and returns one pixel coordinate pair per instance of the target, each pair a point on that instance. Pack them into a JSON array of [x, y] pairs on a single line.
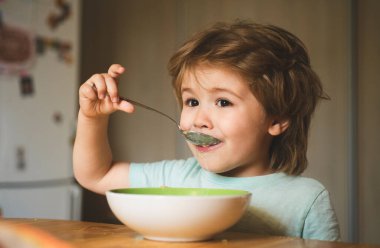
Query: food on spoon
[[200, 139]]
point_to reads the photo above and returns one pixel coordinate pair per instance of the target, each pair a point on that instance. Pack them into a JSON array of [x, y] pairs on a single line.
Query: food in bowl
[[178, 214]]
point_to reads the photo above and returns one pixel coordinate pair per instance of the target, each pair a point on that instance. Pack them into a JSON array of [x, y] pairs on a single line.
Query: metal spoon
[[197, 138]]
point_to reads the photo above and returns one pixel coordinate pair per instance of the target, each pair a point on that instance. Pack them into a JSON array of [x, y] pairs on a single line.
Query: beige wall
[[143, 34]]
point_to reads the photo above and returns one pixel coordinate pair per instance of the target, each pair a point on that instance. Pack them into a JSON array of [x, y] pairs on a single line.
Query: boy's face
[[218, 102]]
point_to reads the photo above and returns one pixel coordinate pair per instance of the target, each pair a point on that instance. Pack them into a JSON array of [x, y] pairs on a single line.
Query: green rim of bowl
[[172, 191]]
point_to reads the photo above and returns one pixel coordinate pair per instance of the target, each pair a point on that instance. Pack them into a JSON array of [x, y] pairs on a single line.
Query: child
[[252, 87]]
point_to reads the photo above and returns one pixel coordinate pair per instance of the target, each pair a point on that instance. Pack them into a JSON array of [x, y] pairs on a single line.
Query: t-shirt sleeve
[[147, 175], [321, 222]]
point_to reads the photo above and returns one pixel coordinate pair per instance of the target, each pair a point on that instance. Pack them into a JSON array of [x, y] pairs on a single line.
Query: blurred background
[[74, 39]]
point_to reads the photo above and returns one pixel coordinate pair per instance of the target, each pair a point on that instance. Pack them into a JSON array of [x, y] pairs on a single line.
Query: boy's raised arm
[[92, 156]]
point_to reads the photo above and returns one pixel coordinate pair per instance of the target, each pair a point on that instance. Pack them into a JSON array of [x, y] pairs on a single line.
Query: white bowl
[[178, 214]]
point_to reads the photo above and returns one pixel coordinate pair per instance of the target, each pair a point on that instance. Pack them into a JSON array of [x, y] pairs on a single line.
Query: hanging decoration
[[55, 19], [17, 48], [62, 48], [26, 84]]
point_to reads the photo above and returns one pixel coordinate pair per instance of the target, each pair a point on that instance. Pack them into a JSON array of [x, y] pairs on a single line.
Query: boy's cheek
[[185, 121]]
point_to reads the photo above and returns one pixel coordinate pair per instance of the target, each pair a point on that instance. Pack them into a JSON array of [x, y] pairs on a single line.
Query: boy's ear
[[278, 127]]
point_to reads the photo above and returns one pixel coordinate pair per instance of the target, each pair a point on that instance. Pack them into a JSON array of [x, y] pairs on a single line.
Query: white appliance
[[37, 127]]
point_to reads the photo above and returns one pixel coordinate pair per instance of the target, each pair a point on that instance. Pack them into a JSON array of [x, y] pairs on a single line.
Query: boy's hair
[[276, 65]]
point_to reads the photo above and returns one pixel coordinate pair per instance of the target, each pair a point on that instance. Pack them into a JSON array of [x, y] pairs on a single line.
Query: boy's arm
[[92, 156], [321, 222]]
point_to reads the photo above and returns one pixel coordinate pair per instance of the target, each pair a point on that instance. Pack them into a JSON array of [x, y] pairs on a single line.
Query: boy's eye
[[191, 102], [223, 103]]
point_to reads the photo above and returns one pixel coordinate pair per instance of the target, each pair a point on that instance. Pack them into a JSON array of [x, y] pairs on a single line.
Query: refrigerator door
[[36, 133], [37, 126], [52, 202]]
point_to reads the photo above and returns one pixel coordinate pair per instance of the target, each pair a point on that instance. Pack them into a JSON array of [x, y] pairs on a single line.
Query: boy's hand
[[98, 96]]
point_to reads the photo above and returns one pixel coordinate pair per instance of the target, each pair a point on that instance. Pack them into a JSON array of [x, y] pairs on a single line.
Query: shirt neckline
[[242, 182]]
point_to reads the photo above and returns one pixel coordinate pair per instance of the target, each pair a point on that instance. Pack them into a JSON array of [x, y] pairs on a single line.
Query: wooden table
[[90, 234]]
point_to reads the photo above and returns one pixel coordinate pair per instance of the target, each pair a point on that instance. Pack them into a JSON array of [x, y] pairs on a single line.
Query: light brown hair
[[277, 67]]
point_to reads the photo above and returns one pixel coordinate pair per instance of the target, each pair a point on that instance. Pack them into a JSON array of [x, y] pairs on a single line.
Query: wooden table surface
[[90, 234]]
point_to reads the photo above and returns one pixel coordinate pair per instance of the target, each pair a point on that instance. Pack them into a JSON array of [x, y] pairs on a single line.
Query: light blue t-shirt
[[280, 205]]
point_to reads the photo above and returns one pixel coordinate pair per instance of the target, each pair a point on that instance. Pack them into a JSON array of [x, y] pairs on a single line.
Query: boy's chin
[[212, 168]]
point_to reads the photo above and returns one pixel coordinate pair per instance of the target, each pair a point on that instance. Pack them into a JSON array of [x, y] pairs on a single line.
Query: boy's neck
[[248, 172]]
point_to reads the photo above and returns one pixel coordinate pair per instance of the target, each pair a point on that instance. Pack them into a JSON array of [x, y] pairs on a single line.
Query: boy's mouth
[[206, 148]]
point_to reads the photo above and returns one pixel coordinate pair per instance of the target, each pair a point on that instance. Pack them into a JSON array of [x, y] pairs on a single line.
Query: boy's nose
[[202, 119]]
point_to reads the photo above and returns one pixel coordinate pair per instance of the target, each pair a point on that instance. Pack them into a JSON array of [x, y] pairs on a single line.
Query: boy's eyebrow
[[186, 89], [215, 89]]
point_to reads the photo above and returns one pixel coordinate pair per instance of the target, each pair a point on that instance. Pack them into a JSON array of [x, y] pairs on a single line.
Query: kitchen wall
[[143, 34]]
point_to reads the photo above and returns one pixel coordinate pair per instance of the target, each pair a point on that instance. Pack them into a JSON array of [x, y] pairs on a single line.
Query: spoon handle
[[149, 108]]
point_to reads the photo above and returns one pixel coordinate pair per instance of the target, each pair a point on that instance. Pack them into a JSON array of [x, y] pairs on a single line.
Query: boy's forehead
[[211, 77]]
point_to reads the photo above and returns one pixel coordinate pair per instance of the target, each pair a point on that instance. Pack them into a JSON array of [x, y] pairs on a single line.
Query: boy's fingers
[[98, 83], [87, 90], [111, 88], [125, 106], [116, 70]]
